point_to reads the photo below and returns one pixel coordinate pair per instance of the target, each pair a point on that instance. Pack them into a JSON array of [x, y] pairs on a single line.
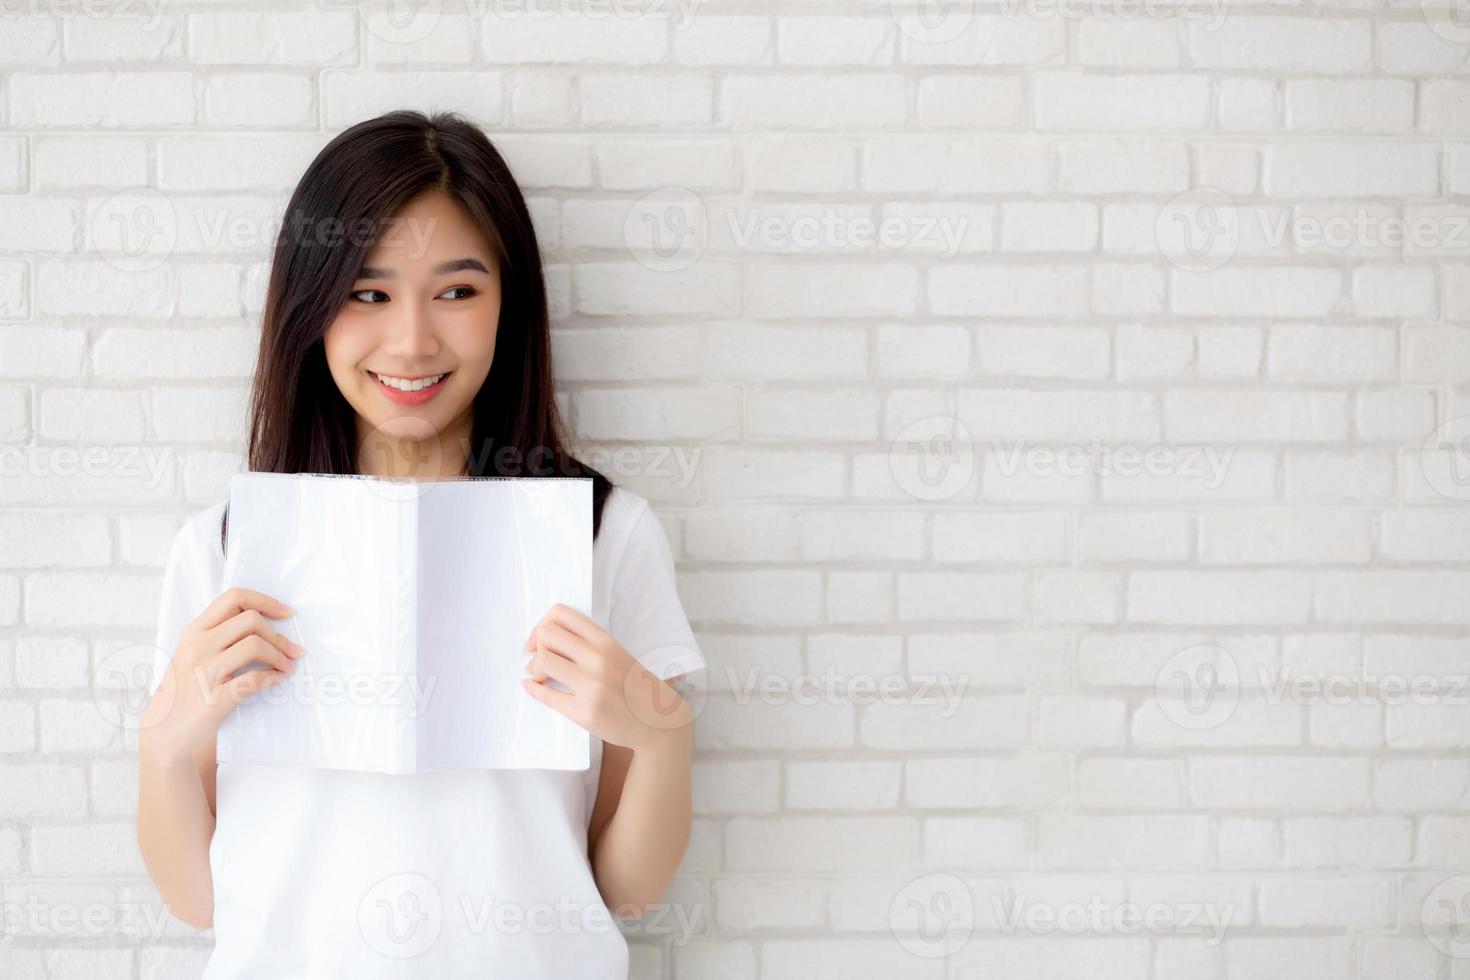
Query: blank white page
[[412, 601], [526, 545]]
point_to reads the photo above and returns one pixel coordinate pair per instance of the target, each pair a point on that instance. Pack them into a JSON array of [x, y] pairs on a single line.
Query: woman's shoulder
[[199, 532], [620, 513]]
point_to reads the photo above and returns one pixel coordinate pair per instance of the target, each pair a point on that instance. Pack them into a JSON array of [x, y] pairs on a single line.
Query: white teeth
[[403, 384]]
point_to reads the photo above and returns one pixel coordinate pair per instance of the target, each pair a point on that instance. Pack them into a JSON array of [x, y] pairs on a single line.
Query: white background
[[1177, 226]]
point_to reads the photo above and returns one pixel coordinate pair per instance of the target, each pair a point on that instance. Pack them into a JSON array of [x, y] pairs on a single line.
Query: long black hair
[[299, 420]]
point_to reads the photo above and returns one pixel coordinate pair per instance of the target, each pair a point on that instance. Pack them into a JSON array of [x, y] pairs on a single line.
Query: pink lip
[[409, 397]]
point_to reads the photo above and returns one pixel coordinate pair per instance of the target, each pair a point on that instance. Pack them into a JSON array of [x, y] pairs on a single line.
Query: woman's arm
[[175, 825], [640, 823], [206, 678], [641, 819]]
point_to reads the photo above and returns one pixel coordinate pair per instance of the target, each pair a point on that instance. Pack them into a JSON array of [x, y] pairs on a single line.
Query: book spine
[[406, 612]]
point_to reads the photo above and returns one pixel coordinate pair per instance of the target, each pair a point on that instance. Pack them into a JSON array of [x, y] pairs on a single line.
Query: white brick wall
[[1059, 417]]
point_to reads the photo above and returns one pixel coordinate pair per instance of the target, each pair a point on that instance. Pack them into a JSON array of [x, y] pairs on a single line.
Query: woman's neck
[[410, 448]]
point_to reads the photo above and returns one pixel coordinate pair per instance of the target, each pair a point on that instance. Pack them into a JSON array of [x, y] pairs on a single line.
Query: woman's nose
[[413, 333]]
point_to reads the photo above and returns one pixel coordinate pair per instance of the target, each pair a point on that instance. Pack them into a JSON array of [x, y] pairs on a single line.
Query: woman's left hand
[[609, 692]]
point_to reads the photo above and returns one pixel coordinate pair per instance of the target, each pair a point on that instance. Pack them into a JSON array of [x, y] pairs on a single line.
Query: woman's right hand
[[201, 685]]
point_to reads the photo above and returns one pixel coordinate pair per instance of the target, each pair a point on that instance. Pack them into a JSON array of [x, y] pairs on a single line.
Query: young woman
[[405, 334]]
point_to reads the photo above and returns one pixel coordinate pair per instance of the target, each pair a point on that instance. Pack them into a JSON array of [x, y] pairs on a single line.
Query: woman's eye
[[375, 296]]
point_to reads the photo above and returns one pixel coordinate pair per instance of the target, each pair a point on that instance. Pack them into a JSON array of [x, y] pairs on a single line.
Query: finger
[[546, 664], [237, 689], [550, 636], [250, 648], [247, 622], [571, 620], [236, 600], [557, 700]]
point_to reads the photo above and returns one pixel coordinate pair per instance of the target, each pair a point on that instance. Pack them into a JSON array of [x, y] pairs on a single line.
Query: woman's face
[[424, 309]]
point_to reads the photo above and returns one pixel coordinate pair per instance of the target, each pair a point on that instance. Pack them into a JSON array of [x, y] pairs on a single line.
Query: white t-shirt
[[327, 873]]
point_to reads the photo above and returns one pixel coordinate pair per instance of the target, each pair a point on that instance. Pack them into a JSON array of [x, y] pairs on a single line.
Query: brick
[[835, 41], [1343, 169], [948, 102], [1265, 292], [1108, 103], [847, 844], [1019, 291], [101, 99], [1314, 353], [831, 290], [1148, 842], [280, 38], [835, 102], [1278, 784], [1377, 105], [532, 39], [983, 39], [621, 101], [1281, 44], [1200, 597], [88, 161], [713, 40], [955, 166]]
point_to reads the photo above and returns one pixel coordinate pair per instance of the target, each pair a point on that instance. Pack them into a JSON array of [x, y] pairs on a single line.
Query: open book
[[413, 601]]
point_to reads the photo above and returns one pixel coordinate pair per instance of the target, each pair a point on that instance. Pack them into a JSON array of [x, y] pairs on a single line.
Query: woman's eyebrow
[[443, 268]]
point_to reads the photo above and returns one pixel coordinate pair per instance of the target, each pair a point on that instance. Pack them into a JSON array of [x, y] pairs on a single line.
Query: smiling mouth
[[409, 385], [410, 391]]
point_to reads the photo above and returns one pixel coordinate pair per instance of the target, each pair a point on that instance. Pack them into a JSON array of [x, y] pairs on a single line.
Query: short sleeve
[[645, 614], [185, 593]]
